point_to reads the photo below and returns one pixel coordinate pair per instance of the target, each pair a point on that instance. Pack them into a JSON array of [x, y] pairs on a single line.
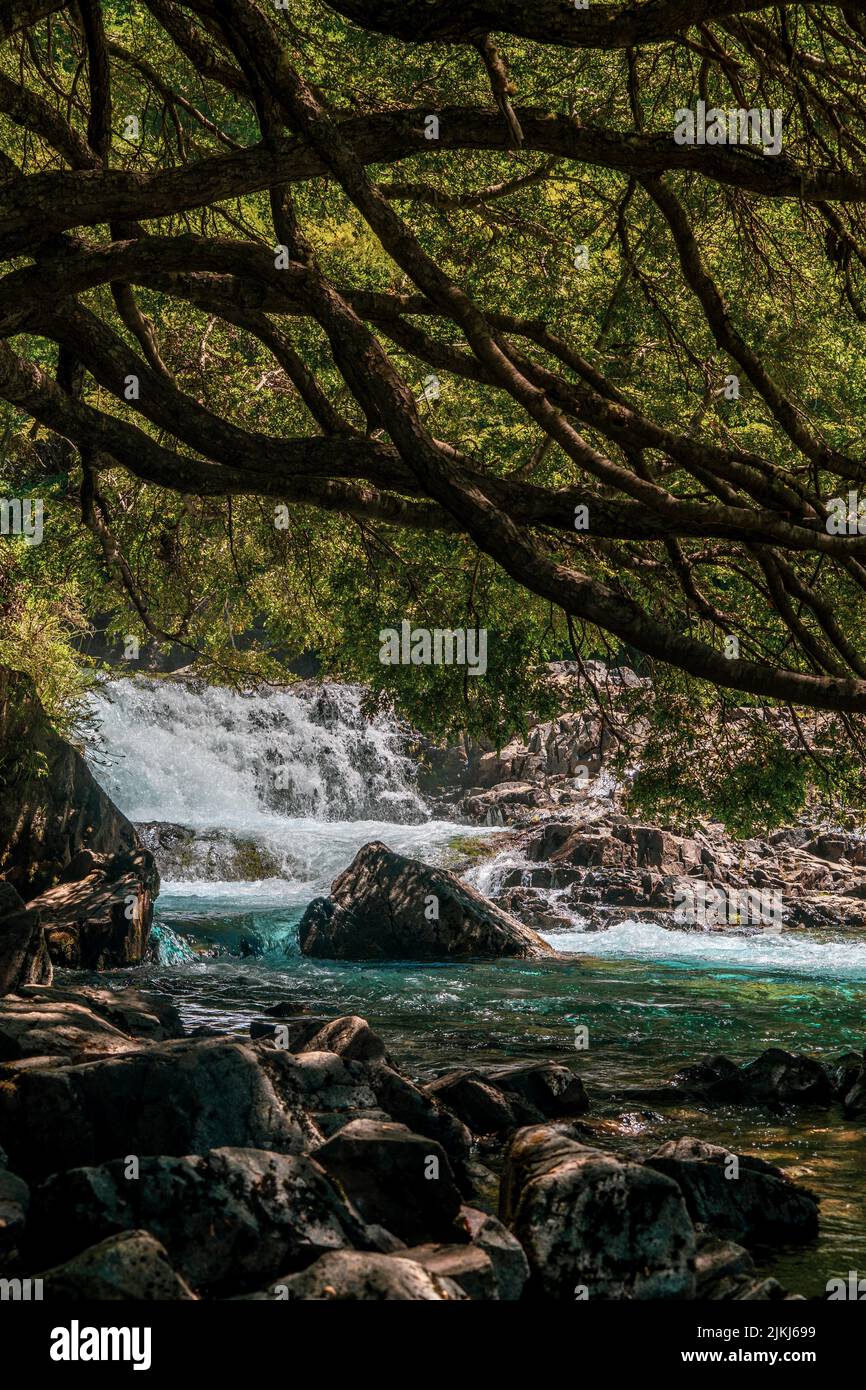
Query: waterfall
[[256, 786]]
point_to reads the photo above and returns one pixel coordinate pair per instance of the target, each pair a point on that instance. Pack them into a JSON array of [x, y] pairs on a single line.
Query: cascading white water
[[305, 775]]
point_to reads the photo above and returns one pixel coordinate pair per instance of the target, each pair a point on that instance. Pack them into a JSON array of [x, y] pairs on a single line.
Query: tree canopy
[[315, 317]]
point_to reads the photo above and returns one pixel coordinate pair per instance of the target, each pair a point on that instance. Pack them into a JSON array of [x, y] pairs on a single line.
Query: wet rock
[[483, 1107], [510, 1266], [547, 1087], [713, 1079], [99, 914], [396, 1179], [780, 1078], [132, 1267], [589, 1220], [183, 854], [722, 1268], [350, 1037], [738, 1197], [388, 907], [24, 958], [171, 1098], [230, 1218], [346, 1276]]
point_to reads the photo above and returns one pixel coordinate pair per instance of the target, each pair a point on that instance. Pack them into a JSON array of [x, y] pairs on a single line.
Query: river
[[309, 779]]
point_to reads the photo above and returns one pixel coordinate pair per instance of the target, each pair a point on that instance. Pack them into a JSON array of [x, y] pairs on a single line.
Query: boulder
[[412, 1106], [738, 1197], [229, 1219], [131, 1267], [171, 1098], [350, 1037], [34, 1027], [593, 1225], [52, 805], [396, 1179], [388, 907], [139, 1013], [346, 1276], [99, 915], [24, 958]]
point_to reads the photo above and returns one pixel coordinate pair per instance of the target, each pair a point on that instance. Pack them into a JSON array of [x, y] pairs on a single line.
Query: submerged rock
[[388, 907], [736, 1196]]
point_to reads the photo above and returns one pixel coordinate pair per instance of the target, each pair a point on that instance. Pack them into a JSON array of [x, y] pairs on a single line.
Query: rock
[[132, 1267], [396, 1179], [591, 1221], [14, 1201], [479, 1104], [547, 1087], [171, 1098], [779, 1078], [53, 806], [714, 1079], [845, 1073], [721, 1268], [412, 1106], [738, 1197], [139, 1013], [328, 1088], [24, 958], [229, 1219], [468, 1266], [350, 1037], [505, 1252], [377, 911], [99, 914], [349, 1277], [184, 854], [32, 1027]]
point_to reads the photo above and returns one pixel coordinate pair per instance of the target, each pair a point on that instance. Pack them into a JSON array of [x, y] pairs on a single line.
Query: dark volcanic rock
[[738, 1197], [396, 1179], [171, 1098], [132, 1267], [388, 907], [229, 1218], [589, 1221], [547, 1087], [510, 1265], [468, 1265]]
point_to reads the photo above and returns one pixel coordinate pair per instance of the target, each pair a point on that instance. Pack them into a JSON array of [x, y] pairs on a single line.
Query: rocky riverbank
[[304, 1163]]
